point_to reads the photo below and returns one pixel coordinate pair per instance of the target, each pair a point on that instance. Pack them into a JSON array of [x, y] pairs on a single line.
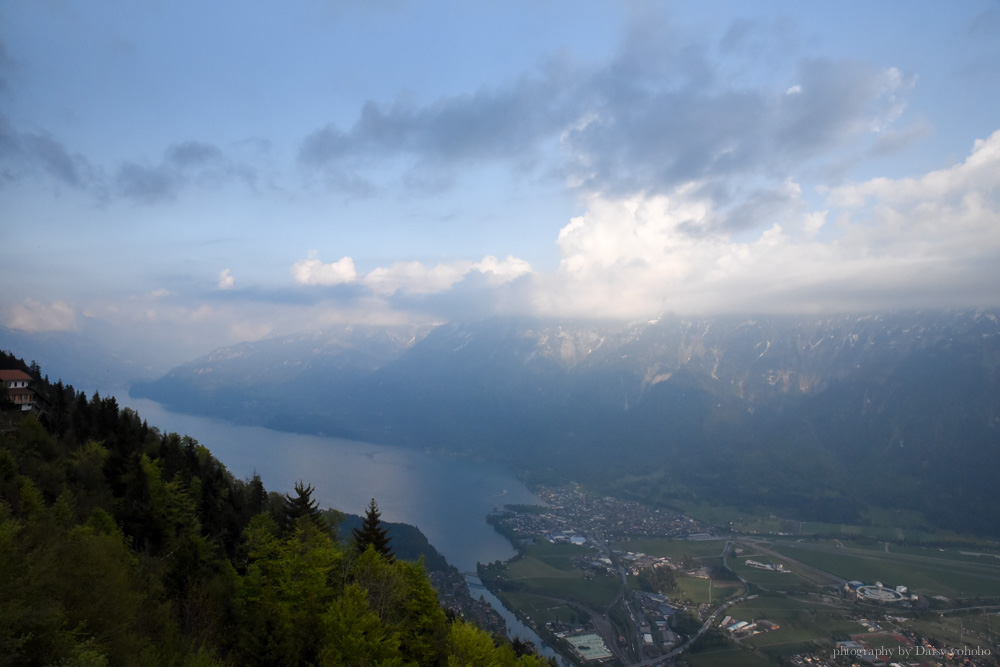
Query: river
[[448, 498]]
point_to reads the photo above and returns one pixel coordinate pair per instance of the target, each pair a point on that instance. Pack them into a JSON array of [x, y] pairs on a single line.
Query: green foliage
[[467, 645], [120, 545], [658, 580], [686, 623], [356, 634], [302, 505], [372, 533]]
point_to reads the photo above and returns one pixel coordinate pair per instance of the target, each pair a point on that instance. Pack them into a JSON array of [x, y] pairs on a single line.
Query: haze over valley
[[813, 417], [674, 326]]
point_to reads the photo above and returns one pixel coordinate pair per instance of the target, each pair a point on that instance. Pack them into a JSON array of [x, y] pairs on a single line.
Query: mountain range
[[815, 417]]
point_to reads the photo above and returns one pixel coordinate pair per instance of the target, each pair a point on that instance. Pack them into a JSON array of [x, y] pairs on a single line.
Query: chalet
[[18, 390]]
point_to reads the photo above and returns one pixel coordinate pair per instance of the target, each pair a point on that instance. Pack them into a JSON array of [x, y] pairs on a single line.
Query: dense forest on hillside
[[123, 545]]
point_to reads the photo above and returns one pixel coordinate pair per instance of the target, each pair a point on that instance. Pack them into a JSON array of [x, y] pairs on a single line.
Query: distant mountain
[[292, 382], [816, 416]]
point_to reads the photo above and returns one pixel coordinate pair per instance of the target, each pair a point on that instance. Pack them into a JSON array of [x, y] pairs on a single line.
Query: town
[[611, 581]]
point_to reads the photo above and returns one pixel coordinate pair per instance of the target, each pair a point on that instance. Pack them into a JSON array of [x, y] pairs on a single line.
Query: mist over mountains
[[814, 417]]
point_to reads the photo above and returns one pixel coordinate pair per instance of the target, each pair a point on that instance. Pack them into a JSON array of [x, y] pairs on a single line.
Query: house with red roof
[[19, 391]]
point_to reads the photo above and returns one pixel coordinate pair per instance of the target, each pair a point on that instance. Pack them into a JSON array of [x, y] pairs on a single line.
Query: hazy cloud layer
[[408, 277], [24, 155], [882, 243], [33, 316], [190, 163], [618, 161], [661, 114]]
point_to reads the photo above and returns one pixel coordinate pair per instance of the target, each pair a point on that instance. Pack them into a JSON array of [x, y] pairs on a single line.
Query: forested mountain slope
[[122, 545]]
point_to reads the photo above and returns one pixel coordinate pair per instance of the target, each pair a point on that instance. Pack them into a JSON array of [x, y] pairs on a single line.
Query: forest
[[124, 545]]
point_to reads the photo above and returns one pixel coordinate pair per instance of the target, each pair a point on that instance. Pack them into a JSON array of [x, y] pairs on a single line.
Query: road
[[664, 659]]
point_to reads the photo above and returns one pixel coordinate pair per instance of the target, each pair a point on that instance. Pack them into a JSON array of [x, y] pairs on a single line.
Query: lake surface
[[448, 498]]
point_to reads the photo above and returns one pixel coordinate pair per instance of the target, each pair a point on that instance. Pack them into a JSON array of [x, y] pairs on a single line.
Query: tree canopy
[[123, 545], [372, 533]]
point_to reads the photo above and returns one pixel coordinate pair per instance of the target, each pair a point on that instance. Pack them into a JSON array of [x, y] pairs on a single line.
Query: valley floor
[[607, 581]]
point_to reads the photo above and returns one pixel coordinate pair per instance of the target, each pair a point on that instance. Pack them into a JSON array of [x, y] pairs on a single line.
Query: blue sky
[[190, 175]]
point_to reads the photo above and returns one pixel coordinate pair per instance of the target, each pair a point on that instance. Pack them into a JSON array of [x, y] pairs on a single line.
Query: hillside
[[816, 417], [123, 545]]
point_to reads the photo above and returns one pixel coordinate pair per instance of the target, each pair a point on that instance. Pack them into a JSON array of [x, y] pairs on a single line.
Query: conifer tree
[[372, 532], [257, 495], [302, 505]]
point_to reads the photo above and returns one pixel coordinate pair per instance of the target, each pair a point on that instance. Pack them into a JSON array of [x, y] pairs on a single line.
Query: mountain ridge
[[772, 410]]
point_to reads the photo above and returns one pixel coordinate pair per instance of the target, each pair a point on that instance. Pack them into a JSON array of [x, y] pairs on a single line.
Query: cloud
[[313, 271], [415, 277], [930, 240], [146, 185], [668, 109], [660, 137], [193, 154], [184, 164], [499, 272], [409, 277], [226, 281], [927, 241], [23, 154], [34, 317], [948, 212], [483, 126]]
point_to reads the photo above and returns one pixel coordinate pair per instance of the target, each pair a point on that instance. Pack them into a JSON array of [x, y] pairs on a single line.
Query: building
[[19, 390], [589, 647]]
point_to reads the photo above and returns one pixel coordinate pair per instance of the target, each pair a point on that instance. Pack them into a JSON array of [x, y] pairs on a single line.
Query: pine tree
[[372, 532], [302, 505], [256, 495]]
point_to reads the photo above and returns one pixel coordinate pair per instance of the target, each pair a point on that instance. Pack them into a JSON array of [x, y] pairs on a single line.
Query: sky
[[180, 176]]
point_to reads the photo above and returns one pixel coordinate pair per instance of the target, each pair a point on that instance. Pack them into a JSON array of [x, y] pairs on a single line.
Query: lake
[[448, 498]]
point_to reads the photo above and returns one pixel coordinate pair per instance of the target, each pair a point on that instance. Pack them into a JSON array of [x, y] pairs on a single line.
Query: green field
[[697, 590], [802, 623], [927, 575], [540, 609], [878, 524], [548, 570], [730, 656], [676, 550], [979, 630], [981, 555], [796, 579]]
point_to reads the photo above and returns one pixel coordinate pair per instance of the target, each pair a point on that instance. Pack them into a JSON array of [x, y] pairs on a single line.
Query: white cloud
[[226, 281], [34, 317], [927, 241], [794, 90], [409, 277], [977, 173], [312, 271], [498, 272], [416, 278]]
